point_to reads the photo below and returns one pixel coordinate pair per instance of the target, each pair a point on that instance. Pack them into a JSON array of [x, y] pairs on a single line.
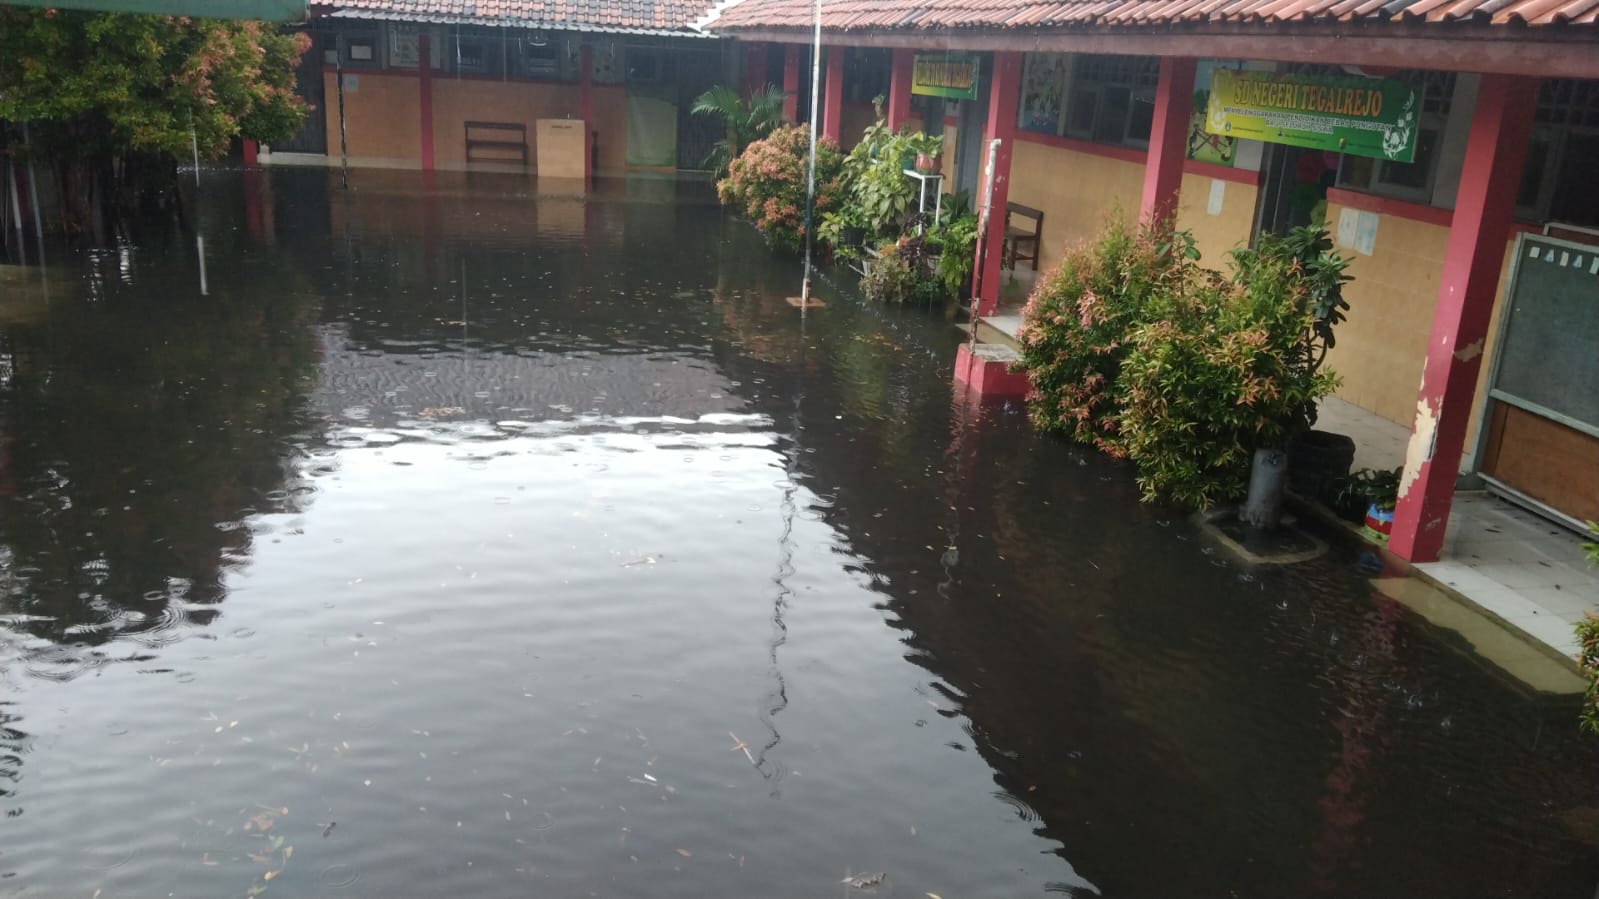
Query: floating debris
[[863, 881]]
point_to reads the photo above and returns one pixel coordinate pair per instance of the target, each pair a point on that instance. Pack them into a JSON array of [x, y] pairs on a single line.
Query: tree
[[745, 123], [111, 99]]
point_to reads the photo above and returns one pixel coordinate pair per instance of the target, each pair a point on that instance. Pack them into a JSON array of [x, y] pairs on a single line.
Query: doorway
[[1294, 183]]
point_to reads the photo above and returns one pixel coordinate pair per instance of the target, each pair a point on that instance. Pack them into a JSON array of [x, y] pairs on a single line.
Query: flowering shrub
[[1588, 635], [1134, 348], [767, 183], [1075, 326], [1217, 376]]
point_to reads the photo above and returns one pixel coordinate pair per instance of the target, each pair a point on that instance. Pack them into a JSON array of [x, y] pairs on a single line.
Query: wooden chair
[[496, 142], [1021, 245]]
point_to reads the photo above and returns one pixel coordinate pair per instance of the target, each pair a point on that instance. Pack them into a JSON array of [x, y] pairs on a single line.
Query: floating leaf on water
[[685, 853], [862, 881], [934, 896], [288, 852], [257, 889], [260, 857], [277, 842], [269, 875]]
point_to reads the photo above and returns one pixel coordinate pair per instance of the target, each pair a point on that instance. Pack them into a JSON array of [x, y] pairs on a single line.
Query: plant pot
[[1318, 462], [852, 236], [1379, 524], [927, 164], [1268, 475]]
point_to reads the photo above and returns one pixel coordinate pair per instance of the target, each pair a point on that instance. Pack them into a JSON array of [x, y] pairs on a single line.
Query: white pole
[[982, 234], [810, 176], [194, 146]]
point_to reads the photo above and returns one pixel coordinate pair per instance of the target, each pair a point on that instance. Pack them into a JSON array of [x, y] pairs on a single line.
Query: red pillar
[[1003, 96], [833, 95], [754, 68], [1168, 139], [1496, 148], [252, 152], [791, 82], [585, 106], [424, 66], [899, 88]]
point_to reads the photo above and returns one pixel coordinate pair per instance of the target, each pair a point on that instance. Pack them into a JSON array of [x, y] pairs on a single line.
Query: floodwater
[[466, 542]]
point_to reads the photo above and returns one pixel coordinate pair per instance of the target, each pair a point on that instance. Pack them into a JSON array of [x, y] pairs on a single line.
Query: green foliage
[[1322, 272], [744, 121], [1592, 549], [874, 180], [1076, 324], [767, 183], [1370, 487], [1588, 637], [1133, 347], [1218, 374], [956, 237], [106, 85], [902, 273]]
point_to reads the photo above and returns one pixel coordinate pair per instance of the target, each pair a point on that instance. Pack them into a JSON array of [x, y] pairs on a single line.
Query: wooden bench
[[496, 142], [1021, 245]]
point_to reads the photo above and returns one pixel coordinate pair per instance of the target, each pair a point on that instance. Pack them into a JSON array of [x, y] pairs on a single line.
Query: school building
[[1449, 145]]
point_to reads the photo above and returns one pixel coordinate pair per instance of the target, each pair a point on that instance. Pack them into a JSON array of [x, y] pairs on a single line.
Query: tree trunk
[[1267, 479]]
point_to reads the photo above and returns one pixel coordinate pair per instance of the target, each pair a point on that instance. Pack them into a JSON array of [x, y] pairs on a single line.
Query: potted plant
[[1316, 273], [929, 150], [1377, 490]]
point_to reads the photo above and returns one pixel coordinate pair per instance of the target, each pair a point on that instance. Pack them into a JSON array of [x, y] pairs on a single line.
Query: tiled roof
[[630, 16], [922, 15]]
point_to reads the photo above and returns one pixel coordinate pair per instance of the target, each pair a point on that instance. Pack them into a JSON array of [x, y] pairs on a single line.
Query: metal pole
[[810, 175], [979, 264], [338, 78], [194, 147]]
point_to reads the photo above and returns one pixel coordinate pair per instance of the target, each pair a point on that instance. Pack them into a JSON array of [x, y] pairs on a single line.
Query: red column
[[791, 82], [899, 88], [585, 106], [424, 67], [1003, 96], [252, 152], [833, 95], [1168, 139], [1496, 148], [754, 68]]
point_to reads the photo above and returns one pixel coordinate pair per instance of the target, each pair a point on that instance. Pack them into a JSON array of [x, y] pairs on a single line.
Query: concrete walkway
[[1523, 569]]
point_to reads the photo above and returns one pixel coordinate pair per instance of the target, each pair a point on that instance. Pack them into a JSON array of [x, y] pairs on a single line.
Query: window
[[644, 65], [1111, 99], [1556, 183], [1413, 180]]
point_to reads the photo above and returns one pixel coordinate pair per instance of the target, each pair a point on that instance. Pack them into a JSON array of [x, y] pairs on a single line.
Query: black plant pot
[[1319, 464], [852, 236]]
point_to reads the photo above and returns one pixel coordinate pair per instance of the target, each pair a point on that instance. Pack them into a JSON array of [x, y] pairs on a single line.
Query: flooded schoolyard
[[482, 541]]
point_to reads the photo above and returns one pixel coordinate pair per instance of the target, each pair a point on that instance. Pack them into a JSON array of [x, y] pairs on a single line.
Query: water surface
[[477, 541]]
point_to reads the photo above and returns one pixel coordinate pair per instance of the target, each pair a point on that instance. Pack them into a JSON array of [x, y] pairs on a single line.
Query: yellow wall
[[1216, 234], [1075, 191], [1382, 347], [382, 117]]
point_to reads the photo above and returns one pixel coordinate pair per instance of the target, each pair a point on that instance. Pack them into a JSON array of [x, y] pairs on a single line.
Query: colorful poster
[[1217, 149], [1043, 81], [1364, 116], [951, 75]]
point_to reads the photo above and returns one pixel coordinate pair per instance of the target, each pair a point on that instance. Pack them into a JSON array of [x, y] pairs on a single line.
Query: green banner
[[949, 75], [275, 10], [1363, 116]]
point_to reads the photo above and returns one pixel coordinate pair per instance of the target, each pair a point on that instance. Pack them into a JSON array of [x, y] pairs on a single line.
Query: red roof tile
[[850, 15], [635, 16]]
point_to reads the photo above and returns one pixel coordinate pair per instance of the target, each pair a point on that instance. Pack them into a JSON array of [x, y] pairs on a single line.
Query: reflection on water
[[479, 541]]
